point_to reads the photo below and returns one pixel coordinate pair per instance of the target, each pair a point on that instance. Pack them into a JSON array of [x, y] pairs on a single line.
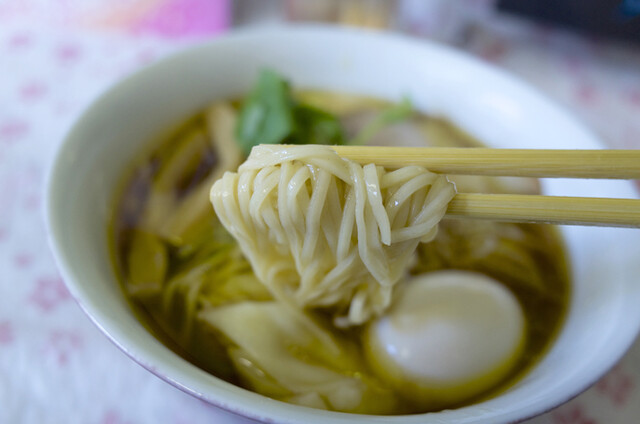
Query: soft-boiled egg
[[448, 336]]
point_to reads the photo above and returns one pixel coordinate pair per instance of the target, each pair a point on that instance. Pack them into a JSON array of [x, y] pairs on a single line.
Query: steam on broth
[[191, 285]]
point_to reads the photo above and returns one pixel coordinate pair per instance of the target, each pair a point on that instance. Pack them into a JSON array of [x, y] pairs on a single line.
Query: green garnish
[[267, 114], [316, 126], [270, 115]]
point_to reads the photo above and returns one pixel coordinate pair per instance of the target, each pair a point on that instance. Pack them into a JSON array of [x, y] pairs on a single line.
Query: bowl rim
[[227, 396]]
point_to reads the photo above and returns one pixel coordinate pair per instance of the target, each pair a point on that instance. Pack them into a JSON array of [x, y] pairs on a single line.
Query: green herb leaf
[[316, 126], [396, 113], [267, 115]]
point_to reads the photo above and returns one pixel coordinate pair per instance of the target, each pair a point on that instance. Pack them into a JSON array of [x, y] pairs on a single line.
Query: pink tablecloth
[[55, 366]]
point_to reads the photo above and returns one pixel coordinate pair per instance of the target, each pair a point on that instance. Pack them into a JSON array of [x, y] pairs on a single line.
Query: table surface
[[55, 366]]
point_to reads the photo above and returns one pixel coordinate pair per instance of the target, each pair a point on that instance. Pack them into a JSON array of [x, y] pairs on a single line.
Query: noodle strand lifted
[[322, 231]]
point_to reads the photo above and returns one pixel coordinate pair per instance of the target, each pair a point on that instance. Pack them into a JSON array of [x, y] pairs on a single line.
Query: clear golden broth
[[529, 259]]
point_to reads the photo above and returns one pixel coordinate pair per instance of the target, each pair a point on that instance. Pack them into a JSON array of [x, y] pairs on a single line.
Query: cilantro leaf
[[316, 126], [267, 115]]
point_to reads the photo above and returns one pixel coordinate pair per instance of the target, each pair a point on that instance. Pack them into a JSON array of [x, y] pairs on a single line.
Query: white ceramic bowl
[[604, 315]]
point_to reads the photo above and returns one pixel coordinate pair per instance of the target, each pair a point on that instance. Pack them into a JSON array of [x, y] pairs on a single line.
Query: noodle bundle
[[322, 231]]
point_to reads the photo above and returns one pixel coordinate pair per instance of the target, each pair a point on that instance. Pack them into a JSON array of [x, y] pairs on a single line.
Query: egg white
[[448, 336]]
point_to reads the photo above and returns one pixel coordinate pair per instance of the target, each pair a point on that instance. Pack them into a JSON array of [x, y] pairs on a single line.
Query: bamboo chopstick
[[610, 164], [547, 209]]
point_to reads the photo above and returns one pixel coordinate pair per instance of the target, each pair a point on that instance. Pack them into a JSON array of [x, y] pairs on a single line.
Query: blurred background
[[56, 56]]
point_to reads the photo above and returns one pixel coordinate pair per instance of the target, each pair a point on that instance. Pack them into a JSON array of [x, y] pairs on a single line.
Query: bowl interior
[[603, 318]]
